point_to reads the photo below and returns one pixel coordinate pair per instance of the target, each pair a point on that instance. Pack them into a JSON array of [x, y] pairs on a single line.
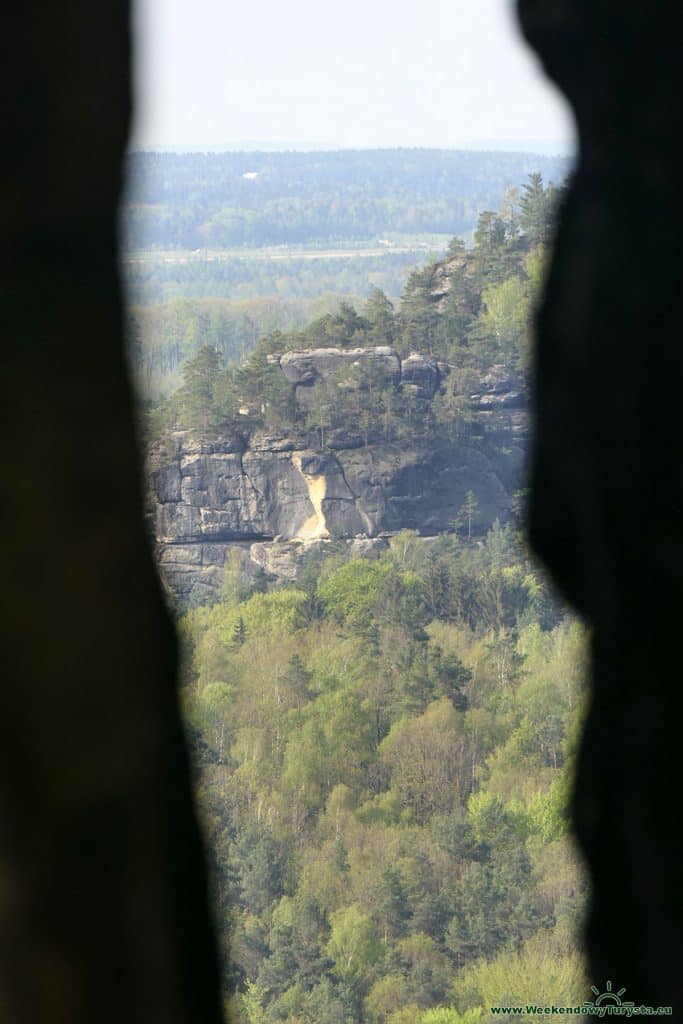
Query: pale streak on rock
[[315, 527]]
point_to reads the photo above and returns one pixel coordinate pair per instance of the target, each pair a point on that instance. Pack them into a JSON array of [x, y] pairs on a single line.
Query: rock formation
[[275, 497], [321, 363]]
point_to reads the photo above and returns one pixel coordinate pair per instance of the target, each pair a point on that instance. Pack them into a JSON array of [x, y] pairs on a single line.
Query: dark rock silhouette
[[103, 910], [607, 480]]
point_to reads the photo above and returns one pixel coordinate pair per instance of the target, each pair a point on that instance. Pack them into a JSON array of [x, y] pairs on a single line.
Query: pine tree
[[535, 210], [196, 395], [456, 247], [419, 312], [239, 633], [492, 257], [468, 512], [379, 311]]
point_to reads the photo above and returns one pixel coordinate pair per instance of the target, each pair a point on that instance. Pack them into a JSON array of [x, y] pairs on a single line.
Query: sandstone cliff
[[275, 496]]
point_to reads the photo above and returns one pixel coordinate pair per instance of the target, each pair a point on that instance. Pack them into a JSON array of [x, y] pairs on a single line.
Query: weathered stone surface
[[264, 442], [281, 502], [273, 490], [195, 572], [421, 375], [305, 368], [341, 440], [284, 559], [499, 389], [179, 555], [368, 547], [419, 488], [166, 482], [211, 480], [305, 496]]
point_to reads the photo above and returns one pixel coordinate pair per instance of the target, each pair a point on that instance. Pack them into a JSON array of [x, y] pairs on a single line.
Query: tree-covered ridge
[[383, 752], [470, 312], [223, 200]]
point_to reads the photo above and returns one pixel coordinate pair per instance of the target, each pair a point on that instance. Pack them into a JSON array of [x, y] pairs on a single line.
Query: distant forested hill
[[220, 200]]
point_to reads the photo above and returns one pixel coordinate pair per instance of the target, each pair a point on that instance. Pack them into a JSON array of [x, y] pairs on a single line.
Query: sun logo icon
[[608, 996]]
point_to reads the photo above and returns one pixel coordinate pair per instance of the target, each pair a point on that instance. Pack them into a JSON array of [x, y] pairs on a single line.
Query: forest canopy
[[384, 750]]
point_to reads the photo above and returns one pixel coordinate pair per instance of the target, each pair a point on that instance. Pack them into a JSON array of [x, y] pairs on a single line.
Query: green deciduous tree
[[533, 975], [353, 945], [426, 758], [503, 322]]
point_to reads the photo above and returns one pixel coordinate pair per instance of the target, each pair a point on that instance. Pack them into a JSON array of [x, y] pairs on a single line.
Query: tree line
[[192, 200], [470, 312], [295, 277]]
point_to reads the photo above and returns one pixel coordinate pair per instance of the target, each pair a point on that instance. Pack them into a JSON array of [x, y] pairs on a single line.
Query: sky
[[360, 73]]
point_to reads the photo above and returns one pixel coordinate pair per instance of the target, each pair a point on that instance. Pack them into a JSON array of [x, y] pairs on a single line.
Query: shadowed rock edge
[[607, 482], [103, 908]]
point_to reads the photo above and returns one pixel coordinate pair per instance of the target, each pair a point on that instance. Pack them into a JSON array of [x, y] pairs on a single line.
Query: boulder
[[421, 375], [499, 389], [305, 368]]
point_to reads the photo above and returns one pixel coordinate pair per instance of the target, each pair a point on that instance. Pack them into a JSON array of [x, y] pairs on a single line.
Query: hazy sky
[[352, 73]]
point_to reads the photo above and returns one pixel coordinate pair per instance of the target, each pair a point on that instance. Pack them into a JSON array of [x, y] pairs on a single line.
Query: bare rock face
[[499, 389], [277, 499], [279, 503], [418, 487], [305, 368], [417, 373], [193, 571], [283, 560], [421, 375]]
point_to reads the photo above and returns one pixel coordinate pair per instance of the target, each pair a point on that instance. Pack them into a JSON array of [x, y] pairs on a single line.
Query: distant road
[[274, 253]]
